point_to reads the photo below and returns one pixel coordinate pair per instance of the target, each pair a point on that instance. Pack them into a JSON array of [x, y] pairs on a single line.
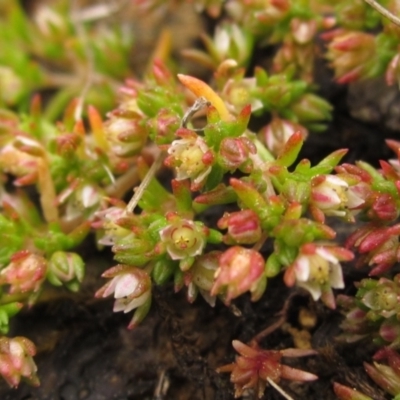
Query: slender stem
[[269, 329], [279, 389], [123, 183], [382, 10], [142, 187]]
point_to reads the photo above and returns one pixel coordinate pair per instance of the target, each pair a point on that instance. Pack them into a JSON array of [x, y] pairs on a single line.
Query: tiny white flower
[[191, 158], [130, 286], [333, 196], [317, 269], [183, 239]]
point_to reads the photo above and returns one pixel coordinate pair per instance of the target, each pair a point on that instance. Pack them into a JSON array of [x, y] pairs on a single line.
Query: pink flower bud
[[239, 270], [243, 227], [25, 273], [16, 360], [234, 153], [68, 143], [125, 135], [108, 221], [352, 55], [278, 132]]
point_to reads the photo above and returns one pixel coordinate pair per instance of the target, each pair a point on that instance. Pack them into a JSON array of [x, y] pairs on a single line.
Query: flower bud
[[311, 108], [243, 227], [125, 135], [234, 154], [352, 55], [68, 143], [66, 268], [200, 278], [16, 360], [276, 134], [25, 273], [11, 86], [239, 271], [110, 221], [164, 126]]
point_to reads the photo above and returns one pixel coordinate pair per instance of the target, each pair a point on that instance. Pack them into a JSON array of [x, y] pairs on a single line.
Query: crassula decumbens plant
[[200, 133]]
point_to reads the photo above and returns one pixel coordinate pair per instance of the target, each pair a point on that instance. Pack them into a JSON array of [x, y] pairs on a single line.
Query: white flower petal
[[302, 268], [111, 287], [126, 285], [325, 254], [137, 302], [353, 200], [313, 288], [336, 276]]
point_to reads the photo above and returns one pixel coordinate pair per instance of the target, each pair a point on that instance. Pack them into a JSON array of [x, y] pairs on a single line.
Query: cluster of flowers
[[81, 178]]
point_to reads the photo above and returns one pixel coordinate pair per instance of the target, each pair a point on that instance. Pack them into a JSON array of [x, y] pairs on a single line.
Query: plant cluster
[[61, 181]]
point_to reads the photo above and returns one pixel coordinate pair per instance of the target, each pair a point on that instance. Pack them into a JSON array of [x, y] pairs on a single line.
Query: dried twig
[[142, 187], [385, 12]]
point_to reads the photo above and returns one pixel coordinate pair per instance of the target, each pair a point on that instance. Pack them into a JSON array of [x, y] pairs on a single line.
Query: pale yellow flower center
[[385, 298], [191, 158], [319, 270], [184, 237], [239, 96]]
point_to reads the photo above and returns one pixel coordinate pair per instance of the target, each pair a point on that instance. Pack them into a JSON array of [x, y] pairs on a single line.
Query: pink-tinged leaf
[[36, 106], [243, 349], [373, 240], [317, 214], [291, 150], [384, 377], [297, 374], [350, 76], [333, 159], [346, 393], [394, 145], [380, 269], [388, 171], [389, 354]]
